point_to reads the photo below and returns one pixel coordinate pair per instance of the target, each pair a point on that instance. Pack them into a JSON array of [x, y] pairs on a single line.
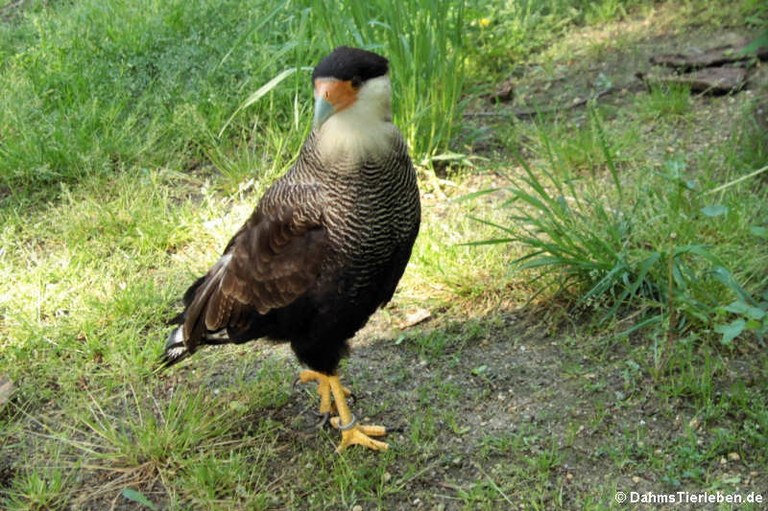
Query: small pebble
[[734, 456]]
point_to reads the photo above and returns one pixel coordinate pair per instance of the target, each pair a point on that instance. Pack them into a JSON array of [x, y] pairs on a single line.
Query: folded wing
[[273, 260]]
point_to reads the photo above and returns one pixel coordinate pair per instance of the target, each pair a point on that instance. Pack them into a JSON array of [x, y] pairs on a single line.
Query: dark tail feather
[[189, 295], [199, 298], [175, 350]]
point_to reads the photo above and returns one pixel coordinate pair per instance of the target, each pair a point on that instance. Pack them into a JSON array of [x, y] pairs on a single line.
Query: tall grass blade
[[260, 93]]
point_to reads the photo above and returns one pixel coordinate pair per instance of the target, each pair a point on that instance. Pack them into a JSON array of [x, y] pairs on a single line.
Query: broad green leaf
[[731, 330], [739, 307], [714, 210], [723, 276], [138, 497], [759, 231], [760, 41]]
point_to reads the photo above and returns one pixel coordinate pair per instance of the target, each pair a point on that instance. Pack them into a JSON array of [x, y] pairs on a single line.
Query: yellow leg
[[351, 432], [323, 389]]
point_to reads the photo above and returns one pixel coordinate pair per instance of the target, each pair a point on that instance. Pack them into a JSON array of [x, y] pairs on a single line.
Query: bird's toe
[[358, 434]]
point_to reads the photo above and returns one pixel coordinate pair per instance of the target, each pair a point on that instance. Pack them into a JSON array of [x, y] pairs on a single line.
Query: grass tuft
[[665, 101], [660, 247]]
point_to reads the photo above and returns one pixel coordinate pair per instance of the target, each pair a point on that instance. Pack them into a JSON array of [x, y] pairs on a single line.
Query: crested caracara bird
[[325, 246]]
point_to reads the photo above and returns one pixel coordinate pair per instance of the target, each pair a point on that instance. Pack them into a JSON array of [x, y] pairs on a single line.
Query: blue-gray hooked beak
[[323, 110]]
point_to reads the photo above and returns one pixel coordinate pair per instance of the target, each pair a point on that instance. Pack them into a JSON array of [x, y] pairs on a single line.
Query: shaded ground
[[490, 411], [609, 61], [618, 64]]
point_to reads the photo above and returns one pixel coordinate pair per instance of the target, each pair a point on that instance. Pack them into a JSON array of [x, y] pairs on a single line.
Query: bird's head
[[353, 84]]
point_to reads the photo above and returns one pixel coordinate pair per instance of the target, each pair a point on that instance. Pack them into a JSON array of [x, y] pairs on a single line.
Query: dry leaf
[[416, 317]]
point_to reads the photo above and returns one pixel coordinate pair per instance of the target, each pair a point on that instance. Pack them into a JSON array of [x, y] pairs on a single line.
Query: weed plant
[[661, 246]]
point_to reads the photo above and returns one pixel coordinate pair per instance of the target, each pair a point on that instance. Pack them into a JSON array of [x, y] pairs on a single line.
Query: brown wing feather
[[274, 259]]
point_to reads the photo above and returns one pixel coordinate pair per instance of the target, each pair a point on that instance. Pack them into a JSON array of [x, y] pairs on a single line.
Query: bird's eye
[[356, 82]]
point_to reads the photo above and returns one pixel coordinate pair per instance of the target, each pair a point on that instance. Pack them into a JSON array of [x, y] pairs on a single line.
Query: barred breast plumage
[[370, 209]]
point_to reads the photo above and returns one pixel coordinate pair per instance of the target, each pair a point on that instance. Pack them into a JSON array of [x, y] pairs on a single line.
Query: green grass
[[665, 101], [128, 157], [663, 244], [159, 81]]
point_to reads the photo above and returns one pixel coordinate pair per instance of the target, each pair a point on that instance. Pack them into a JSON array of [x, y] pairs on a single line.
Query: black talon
[[324, 419]]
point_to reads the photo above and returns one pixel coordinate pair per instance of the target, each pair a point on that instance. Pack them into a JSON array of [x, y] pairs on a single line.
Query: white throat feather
[[365, 128]]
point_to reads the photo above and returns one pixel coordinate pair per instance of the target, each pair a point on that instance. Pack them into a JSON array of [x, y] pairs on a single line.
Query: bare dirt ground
[[498, 407]]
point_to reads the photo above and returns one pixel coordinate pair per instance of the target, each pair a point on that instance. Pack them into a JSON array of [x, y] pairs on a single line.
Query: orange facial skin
[[339, 93]]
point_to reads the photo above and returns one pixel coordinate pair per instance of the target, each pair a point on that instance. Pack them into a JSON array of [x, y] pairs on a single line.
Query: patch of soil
[[620, 73], [515, 380]]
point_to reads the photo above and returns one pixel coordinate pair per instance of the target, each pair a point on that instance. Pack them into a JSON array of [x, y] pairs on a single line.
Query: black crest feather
[[346, 63]]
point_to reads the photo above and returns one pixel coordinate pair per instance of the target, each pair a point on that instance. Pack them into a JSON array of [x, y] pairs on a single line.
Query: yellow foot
[[354, 433], [323, 389]]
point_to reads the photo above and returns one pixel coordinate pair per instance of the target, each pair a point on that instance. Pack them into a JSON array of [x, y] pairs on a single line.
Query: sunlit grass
[[159, 81], [39, 489], [444, 270]]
